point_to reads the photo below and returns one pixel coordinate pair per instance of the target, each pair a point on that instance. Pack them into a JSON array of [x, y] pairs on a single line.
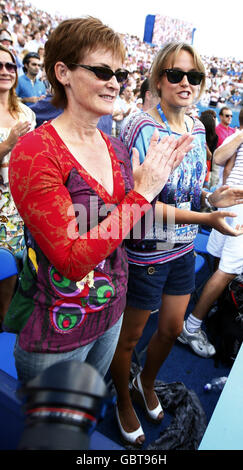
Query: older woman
[[15, 120], [161, 269], [73, 187]]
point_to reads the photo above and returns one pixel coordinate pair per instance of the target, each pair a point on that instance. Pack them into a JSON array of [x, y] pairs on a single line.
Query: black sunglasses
[[175, 76], [105, 73], [228, 115], [9, 66]]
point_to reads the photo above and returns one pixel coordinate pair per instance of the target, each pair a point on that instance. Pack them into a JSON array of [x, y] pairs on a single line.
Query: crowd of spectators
[[171, 29], [28, 28]]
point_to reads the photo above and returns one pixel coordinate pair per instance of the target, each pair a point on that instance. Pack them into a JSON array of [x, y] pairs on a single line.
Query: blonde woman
[[162, 269]]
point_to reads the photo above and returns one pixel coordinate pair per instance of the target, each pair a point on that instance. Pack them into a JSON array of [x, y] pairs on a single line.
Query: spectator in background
[[124, 105], [214, 97], [205, 99], [235, 98], [43, 36], [148, 98], [35, 43], [221, 103], [30, 89], [19, 44], [223, 130], [41, 53], [192, 111], [6, 38], [208, 118], [5, 21], [224, 91], [214, 69]]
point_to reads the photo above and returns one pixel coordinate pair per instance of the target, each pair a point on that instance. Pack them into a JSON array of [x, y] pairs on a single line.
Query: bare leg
[[7, 287], [211, 292], [134, 322], [170, 325], [215, 263]]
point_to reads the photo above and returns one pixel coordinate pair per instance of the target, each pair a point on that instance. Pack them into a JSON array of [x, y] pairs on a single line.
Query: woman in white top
[[15, 120]]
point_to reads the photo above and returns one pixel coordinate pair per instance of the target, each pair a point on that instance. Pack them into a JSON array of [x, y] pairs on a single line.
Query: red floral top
[[74, 281]]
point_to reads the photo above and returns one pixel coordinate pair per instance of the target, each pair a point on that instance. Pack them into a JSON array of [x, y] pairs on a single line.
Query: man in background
[[223, 130], [30, 89], [148, 99], [124, 106]]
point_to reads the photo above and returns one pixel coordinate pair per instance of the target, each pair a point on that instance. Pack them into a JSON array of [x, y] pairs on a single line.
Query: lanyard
[[162, 115]]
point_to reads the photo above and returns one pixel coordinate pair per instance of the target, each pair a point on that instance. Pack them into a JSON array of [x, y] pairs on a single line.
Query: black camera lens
[[62, 407]]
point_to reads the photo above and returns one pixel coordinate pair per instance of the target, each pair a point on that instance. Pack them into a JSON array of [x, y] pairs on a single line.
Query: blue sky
[[218, 29]]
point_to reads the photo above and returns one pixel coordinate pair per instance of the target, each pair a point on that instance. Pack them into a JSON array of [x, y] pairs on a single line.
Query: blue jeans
[[99, 354]]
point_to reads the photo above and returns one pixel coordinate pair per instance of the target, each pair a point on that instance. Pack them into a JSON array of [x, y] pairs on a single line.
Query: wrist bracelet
[[208, 203]]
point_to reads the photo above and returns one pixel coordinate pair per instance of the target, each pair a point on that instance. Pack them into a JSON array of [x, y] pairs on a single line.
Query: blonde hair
[[13, 102], [171, 50], [70, 41]]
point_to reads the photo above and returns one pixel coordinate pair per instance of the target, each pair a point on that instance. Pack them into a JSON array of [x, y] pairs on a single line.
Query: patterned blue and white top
[[183, 190]]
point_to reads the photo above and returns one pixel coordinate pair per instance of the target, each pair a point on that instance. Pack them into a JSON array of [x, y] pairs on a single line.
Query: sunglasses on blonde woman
[[105, 73], [175, 76], [9, 66]]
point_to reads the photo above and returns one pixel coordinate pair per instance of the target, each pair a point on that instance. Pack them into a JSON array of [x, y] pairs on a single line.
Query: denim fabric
[[146, 284], [98, 354]]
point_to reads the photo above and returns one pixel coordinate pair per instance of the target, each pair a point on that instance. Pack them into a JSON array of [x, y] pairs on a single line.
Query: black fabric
[[188, 422], [225, 323]]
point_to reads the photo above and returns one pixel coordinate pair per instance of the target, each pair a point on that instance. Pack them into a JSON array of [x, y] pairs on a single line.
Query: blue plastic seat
[[200, 246], [200, 243], [199, 263], [8, 264], [204, 231]]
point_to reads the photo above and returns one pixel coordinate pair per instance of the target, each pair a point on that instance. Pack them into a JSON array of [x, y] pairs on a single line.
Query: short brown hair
[[70, 41], [13, 103], [224, 108], [172, 49]]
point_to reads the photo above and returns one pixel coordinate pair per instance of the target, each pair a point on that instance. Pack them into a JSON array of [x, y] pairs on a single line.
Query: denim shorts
[[146, 284], [99, 354]]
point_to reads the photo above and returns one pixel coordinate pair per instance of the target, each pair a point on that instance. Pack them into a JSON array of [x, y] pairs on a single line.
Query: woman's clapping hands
[[163, 156]]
